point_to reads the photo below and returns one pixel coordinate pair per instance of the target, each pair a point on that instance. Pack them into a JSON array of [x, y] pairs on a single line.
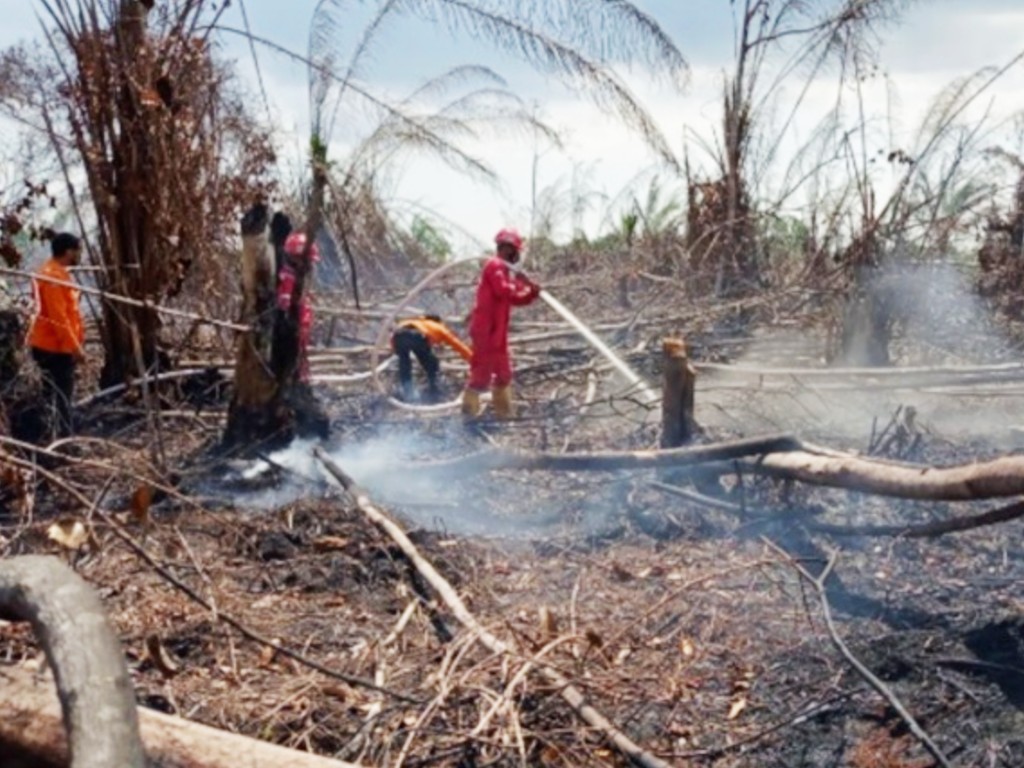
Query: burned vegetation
[[676, 599], [759, 503]]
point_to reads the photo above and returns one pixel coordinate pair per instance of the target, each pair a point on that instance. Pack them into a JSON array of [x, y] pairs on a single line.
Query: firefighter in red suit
[[294, 249], [498, 291]]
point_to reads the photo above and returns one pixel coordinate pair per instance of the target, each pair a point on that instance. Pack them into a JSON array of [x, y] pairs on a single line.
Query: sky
[[935, 42]]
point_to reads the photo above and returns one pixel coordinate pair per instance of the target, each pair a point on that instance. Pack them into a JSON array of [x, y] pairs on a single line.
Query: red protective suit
[[496, 293], [285, 286]]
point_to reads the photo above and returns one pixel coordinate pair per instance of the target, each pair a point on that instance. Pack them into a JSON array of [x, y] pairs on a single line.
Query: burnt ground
[[682, 622]]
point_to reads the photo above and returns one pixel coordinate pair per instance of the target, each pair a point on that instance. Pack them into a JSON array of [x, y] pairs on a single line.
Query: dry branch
[[979, 480], [818, 582], [30, 718], [127, 300], [572, 695], [96, 696], [928, 530], [781, 456], [503, 458]]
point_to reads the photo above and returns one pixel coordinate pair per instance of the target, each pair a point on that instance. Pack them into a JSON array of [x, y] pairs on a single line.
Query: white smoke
[[383, 465]]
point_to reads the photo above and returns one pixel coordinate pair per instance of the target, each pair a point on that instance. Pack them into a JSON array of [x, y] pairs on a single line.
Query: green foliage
[[430, 238], [659, 215], [784, 236], [627, 226], [317, 150]]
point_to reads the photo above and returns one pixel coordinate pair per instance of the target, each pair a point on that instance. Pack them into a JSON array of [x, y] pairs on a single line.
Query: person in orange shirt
[[417, 336], [57, 334]]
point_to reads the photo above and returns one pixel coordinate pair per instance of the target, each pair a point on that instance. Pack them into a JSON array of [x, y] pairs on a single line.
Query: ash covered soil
[[685, 624]]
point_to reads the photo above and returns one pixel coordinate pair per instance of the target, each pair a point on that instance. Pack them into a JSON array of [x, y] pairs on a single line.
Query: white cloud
[[936, 42]]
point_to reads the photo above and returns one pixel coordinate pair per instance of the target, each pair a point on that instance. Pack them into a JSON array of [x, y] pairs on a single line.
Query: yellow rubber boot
[[470, 403], [501, 399]]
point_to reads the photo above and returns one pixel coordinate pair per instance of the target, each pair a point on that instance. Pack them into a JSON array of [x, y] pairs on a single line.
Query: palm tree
[[574, 39], [810, 37]]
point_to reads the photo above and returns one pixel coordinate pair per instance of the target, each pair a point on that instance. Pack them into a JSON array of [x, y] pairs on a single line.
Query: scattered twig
[[169, 577], [818, 583], [251, 634], [567, 690], [928, 530]]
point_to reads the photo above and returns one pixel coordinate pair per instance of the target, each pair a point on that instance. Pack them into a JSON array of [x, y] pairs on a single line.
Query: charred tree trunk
[[678, 426], [131, 343], [257, 411], [869, 313], [270, 403], [96, 694], [866, 330]]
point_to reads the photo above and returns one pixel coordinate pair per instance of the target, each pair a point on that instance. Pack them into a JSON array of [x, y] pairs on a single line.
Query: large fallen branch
[[780, 456], [979, 480], [96, 695], [503, 458], [30, 720], [572, 695]]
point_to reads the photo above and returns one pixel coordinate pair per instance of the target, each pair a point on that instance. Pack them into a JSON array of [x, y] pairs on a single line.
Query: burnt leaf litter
[[677, 618]]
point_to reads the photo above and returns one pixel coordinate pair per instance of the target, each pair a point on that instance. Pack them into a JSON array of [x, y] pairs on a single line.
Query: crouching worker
[[497, 292], [295, 250], [418, 336]]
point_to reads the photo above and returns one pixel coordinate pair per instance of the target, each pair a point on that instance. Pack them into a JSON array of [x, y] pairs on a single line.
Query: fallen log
[[97, 699], [929, 530], [979, 480], [779, 456], [570, 693], [30, 723], [503, 458]]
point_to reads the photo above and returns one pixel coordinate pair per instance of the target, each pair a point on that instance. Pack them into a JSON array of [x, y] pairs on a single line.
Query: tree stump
[[270, 405], [678, 426]]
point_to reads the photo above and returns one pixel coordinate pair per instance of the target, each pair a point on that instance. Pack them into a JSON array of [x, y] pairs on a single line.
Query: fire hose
[[595, 341], [378, 366], [589, 336]]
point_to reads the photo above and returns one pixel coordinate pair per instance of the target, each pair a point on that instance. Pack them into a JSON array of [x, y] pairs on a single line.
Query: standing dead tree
[[1000, 256], [723, 226], [132, 98], [939, 191], [270, 400]]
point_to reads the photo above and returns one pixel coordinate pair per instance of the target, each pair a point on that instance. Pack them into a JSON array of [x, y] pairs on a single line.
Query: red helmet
[[295, 245], [509, 237]]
